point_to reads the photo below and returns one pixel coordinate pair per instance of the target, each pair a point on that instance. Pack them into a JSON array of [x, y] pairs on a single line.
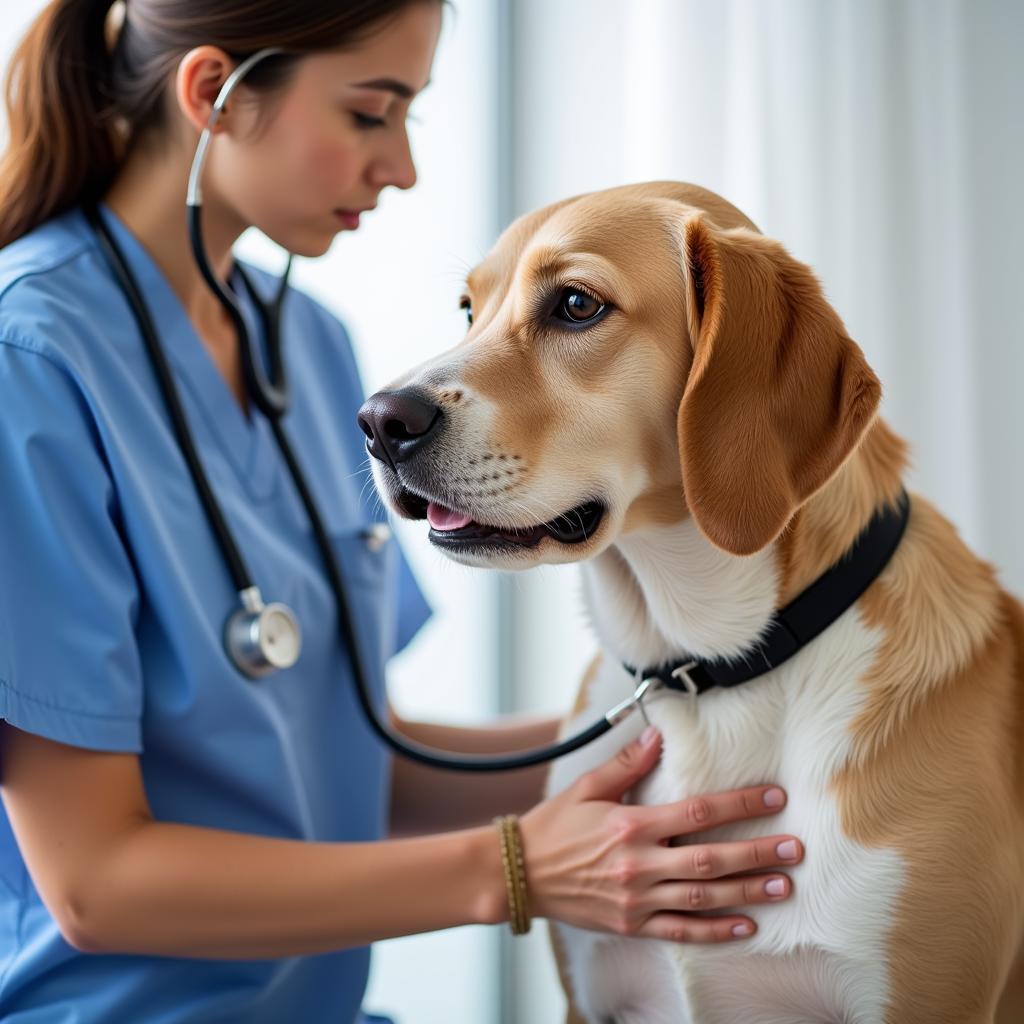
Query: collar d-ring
[[682, 673]]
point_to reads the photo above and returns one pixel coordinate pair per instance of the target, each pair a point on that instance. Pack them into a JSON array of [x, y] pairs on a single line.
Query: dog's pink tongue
[[441, 518]]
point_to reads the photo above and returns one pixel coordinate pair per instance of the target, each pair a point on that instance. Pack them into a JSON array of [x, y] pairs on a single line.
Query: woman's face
[[332, 141]]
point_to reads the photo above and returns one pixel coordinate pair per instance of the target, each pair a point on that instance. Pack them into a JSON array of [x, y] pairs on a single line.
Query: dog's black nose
[[398, 423]]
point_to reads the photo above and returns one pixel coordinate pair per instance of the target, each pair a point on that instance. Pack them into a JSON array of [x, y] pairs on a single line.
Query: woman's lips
[[348, 218]]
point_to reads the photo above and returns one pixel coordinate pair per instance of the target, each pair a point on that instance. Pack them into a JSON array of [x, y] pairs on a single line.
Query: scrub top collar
[[246, 438]]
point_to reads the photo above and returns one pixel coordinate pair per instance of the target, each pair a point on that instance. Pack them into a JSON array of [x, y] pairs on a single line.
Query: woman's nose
[[396, 167]]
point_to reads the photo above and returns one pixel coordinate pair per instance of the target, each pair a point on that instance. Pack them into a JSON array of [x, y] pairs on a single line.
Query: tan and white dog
[[651, 387]]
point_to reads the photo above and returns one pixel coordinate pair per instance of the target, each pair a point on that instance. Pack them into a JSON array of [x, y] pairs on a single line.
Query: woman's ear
[[202, 73], [777, 395]]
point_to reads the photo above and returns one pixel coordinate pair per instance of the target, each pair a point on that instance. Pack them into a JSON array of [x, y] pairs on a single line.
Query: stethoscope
[[263, 638]]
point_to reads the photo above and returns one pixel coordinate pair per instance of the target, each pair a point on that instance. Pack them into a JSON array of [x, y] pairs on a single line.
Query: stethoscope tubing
[[272, 399], [237, 567]]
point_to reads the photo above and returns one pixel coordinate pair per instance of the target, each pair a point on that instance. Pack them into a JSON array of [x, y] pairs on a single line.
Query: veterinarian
[[185, 839]]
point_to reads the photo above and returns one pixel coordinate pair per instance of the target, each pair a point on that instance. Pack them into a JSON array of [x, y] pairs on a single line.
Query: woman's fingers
[[609, 781], [716, 860], [689, 928], [709, 810], [734, 892], [675, 908], [671, 904]]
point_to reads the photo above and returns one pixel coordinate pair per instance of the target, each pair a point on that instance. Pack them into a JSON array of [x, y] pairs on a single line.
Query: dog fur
[[730, 426]]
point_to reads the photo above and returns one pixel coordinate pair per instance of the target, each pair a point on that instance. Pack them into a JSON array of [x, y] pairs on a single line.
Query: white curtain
[[881, 141]]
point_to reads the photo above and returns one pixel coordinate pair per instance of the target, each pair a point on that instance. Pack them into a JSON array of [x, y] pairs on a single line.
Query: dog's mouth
[[452, 530]]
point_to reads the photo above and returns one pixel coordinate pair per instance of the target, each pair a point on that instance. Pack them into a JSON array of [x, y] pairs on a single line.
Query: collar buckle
[[682, 673]]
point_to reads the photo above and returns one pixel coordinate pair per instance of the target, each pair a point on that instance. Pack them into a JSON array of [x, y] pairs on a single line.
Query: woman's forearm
[[432, 800], [178, 890]]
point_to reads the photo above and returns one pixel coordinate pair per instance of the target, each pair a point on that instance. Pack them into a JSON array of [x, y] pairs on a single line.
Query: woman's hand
[[596, 863]]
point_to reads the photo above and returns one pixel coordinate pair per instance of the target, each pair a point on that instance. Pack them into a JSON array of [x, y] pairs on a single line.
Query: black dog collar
[[803, 618]]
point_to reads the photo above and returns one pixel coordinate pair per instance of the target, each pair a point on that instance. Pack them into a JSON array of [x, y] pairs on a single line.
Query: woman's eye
[[577, 307], [368, 121], [469, 312]]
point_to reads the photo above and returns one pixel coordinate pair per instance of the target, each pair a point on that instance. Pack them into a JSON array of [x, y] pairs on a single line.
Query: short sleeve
[[69, 598]]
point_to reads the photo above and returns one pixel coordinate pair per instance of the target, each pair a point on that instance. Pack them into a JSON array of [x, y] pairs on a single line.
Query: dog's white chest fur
[[818, 956]]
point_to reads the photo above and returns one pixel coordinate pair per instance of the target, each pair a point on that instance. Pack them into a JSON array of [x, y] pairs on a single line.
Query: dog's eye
[[577, 307], [467, 306]]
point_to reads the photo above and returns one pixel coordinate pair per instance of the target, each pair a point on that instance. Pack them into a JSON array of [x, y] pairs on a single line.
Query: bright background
[[880, 140]]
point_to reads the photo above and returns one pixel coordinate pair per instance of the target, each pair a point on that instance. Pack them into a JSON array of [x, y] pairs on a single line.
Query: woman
[[229, 833]]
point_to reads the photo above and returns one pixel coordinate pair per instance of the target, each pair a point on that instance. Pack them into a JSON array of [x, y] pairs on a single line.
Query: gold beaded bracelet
[[515, 872]]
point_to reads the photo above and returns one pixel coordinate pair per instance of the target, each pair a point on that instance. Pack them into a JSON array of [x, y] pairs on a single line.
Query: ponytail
[[63, 149]]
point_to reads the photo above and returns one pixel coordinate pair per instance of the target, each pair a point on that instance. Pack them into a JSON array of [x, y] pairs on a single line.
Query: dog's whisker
[[362, 490]]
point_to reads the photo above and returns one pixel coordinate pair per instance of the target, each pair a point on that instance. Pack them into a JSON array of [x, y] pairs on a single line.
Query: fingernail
[[648, 735], [742, 929], [774, 798], [775, 887], [786, 850]]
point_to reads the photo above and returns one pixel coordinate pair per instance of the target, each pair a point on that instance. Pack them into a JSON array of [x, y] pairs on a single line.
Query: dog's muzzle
[[398, 424]]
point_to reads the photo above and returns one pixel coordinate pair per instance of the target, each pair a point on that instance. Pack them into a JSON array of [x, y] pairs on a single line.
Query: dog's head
[[634, 356]]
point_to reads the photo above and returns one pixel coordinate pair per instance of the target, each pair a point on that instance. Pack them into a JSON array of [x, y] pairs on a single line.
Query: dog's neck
[[665, 592]]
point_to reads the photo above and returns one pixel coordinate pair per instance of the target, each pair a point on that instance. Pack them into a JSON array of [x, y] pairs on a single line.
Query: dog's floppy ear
[[777, 395]]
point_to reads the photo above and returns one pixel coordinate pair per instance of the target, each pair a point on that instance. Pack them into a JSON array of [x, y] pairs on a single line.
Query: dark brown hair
[[75, 105]]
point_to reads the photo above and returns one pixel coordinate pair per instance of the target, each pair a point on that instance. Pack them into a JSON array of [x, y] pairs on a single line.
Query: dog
[[651, 387]]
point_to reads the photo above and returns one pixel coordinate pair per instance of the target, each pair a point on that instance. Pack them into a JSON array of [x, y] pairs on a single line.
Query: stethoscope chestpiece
[[260, 638]]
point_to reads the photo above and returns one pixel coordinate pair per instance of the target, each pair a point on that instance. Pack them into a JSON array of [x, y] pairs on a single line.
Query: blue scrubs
[[114, 595]]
